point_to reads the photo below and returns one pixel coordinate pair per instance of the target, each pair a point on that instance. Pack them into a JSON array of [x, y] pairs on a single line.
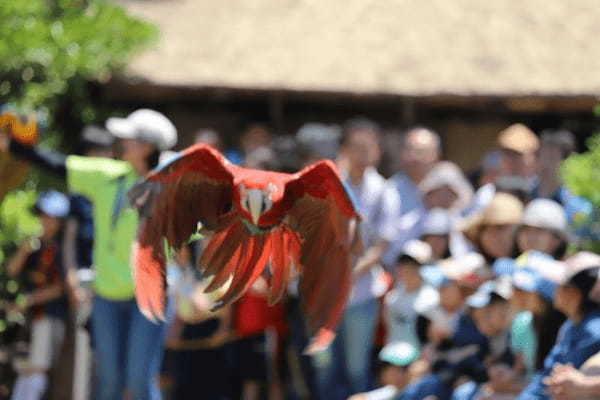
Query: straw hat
[[503, 209], [518, 138]]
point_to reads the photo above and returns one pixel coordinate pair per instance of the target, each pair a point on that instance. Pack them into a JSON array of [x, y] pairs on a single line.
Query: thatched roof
[[399, 47]]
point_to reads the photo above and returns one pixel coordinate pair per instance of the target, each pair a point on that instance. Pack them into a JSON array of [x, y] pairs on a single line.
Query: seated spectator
[[579, 337], [437, 228], [409, 296], [395, 374], [458, 278], [38, 261], [492, 230], [490, 310], [536, 278], [543, 228]]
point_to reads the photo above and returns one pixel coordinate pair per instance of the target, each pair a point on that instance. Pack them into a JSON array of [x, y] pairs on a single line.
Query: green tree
[[54, 55], [581, 174]]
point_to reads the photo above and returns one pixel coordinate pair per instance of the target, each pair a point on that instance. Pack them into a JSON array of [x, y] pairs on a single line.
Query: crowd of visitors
[[469, 286]]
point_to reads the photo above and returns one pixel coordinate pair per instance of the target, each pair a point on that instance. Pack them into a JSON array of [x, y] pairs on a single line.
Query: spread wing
[[325, 217], [194, 187]]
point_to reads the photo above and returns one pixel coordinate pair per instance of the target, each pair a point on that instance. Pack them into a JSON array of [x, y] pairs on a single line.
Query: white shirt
[[403, 216], [401, 311], [369, 195]]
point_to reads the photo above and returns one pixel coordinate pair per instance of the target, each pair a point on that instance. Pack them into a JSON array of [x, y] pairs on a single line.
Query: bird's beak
[[255, 203]]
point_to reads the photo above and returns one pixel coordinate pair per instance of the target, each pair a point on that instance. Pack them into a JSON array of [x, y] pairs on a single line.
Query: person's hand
[[565, 382]]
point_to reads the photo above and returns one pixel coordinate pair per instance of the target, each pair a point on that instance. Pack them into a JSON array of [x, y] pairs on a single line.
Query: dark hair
[[153, 159], [563, 139], [546, 327], [359, 124], [584, 281], [405, 258]]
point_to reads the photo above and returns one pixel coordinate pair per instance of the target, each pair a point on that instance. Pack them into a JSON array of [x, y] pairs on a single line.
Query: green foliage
[[581, 174], [52, 49]]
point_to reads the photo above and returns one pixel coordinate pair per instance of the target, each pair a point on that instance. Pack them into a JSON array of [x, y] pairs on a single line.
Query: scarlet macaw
[[305, 221]]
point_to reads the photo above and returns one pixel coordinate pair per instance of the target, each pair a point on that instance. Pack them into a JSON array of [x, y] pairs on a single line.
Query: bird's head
[[256, 201]]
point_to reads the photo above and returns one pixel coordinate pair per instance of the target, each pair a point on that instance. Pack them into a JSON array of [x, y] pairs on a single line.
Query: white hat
[[437, 222], [146, 125], [545, 214], [417, 250]]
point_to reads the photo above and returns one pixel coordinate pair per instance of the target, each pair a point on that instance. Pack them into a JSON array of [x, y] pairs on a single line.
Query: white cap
[[417, 250], [545, 214], [146, 125]]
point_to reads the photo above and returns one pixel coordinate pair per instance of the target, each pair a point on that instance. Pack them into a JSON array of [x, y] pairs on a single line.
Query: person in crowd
[[395, 362], [536, 276], [79, 228], [543, 228], [488, 170], [555, 147], [456, 278], [579, 337], [210, 137], [253, 320], [420, 151], [78, 242], [350, 354], [254, 136], [38, 261], [128, 346], [197, 339], [446, 187], [318, 141], [410, 295], [492, 231], [437, 227], [518, 147], [492, 314]]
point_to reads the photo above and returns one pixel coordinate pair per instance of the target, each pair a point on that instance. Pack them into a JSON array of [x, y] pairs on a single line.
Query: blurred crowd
[[470, 285]]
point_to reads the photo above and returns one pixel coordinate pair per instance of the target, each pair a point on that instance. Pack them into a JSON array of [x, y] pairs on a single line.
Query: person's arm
[[44, 159], [17, 261], [44, 295], [70, 261], [370, 258], [566, 383]]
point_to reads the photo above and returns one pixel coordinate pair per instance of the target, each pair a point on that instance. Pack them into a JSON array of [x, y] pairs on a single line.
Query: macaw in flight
[[263, 222]]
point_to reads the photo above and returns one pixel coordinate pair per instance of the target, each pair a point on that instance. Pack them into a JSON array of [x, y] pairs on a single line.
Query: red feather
[[307, 227]]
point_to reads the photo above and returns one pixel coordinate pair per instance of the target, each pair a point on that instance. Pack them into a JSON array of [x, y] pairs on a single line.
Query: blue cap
[[433, 276], [504, 266], [53, 204], [530, 280]]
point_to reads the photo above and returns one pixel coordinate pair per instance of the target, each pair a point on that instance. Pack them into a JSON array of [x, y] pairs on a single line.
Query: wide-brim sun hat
[[504, 209]]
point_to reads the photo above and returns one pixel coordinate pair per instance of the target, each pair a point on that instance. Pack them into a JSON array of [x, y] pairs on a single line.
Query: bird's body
[[263, 223]]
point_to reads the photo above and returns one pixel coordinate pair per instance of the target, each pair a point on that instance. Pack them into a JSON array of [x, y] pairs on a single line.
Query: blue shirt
[[429, 385], [575, 344]]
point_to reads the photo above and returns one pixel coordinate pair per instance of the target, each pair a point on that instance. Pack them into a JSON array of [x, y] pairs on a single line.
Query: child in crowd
[[410, 294], [543, 228], [396, 360], [578, 298], [38, 262]]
